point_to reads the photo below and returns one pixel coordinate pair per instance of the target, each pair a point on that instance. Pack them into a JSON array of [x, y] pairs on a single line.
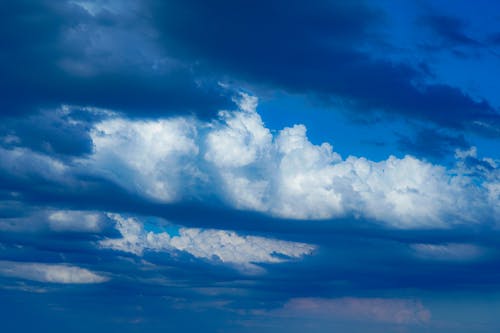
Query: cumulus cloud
[[284, 175], [223, 246], [50, 273], [386, 310], [147, 157], [236, 158], [288, 176]]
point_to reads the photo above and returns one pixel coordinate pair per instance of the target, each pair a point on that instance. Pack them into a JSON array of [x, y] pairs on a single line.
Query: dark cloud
[[449, 30], [495, 39], [354, 259], [385, 258], [55, 53], [49, 132], [316, 49], [431, 143]]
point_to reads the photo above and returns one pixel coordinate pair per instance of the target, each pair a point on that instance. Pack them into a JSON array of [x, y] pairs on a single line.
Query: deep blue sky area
[[249, 166]]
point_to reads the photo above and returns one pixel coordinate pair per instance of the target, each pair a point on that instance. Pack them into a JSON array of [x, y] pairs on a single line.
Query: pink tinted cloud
[[386, 310]]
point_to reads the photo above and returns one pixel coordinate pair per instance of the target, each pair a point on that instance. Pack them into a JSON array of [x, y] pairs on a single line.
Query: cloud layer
[[240, 161], [243, 252]]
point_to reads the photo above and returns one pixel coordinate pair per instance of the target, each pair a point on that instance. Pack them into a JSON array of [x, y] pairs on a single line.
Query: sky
[[249, 166]]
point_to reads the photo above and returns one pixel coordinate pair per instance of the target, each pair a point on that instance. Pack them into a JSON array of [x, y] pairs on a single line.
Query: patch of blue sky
[[157, 226], [375, 140]]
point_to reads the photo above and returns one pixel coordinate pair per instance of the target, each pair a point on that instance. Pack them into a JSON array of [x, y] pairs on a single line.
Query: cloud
[[242, 163], [288, 176], [70, 220], [450, 30], [99, 55], [30, 219], [137, 57], [50, 273], [431, 143], [26, 164], [227, 247], [448, 252], [330, 49], [242, 140], [386, 310], [148, 157], [53, 132]]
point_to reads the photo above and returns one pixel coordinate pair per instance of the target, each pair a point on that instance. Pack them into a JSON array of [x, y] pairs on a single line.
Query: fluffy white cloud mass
[[237, 159], [51, 273], [147, 157], [227, 247], [285, 175]]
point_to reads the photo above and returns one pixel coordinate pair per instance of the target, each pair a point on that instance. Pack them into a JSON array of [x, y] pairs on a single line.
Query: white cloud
[[50, 273], [238, 146], [288, 176], [227, 247], [237, 159], [147, 157], [386, 310], [240, 139]]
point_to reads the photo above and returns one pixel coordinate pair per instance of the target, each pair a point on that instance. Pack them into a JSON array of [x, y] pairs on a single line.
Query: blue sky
[[249, 166]]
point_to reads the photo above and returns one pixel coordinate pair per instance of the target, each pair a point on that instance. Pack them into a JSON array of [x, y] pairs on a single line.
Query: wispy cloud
[[387, 310], [50, 273]]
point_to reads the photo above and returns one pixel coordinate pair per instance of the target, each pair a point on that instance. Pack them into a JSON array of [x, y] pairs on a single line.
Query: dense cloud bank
[[237, 159]]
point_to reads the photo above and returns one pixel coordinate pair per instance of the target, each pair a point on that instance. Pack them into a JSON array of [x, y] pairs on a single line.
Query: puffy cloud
[[241, 139], [51, 273], [387, 310], [238, 146], [147, 157], [224, 246], [288, 176], [237, 159]]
